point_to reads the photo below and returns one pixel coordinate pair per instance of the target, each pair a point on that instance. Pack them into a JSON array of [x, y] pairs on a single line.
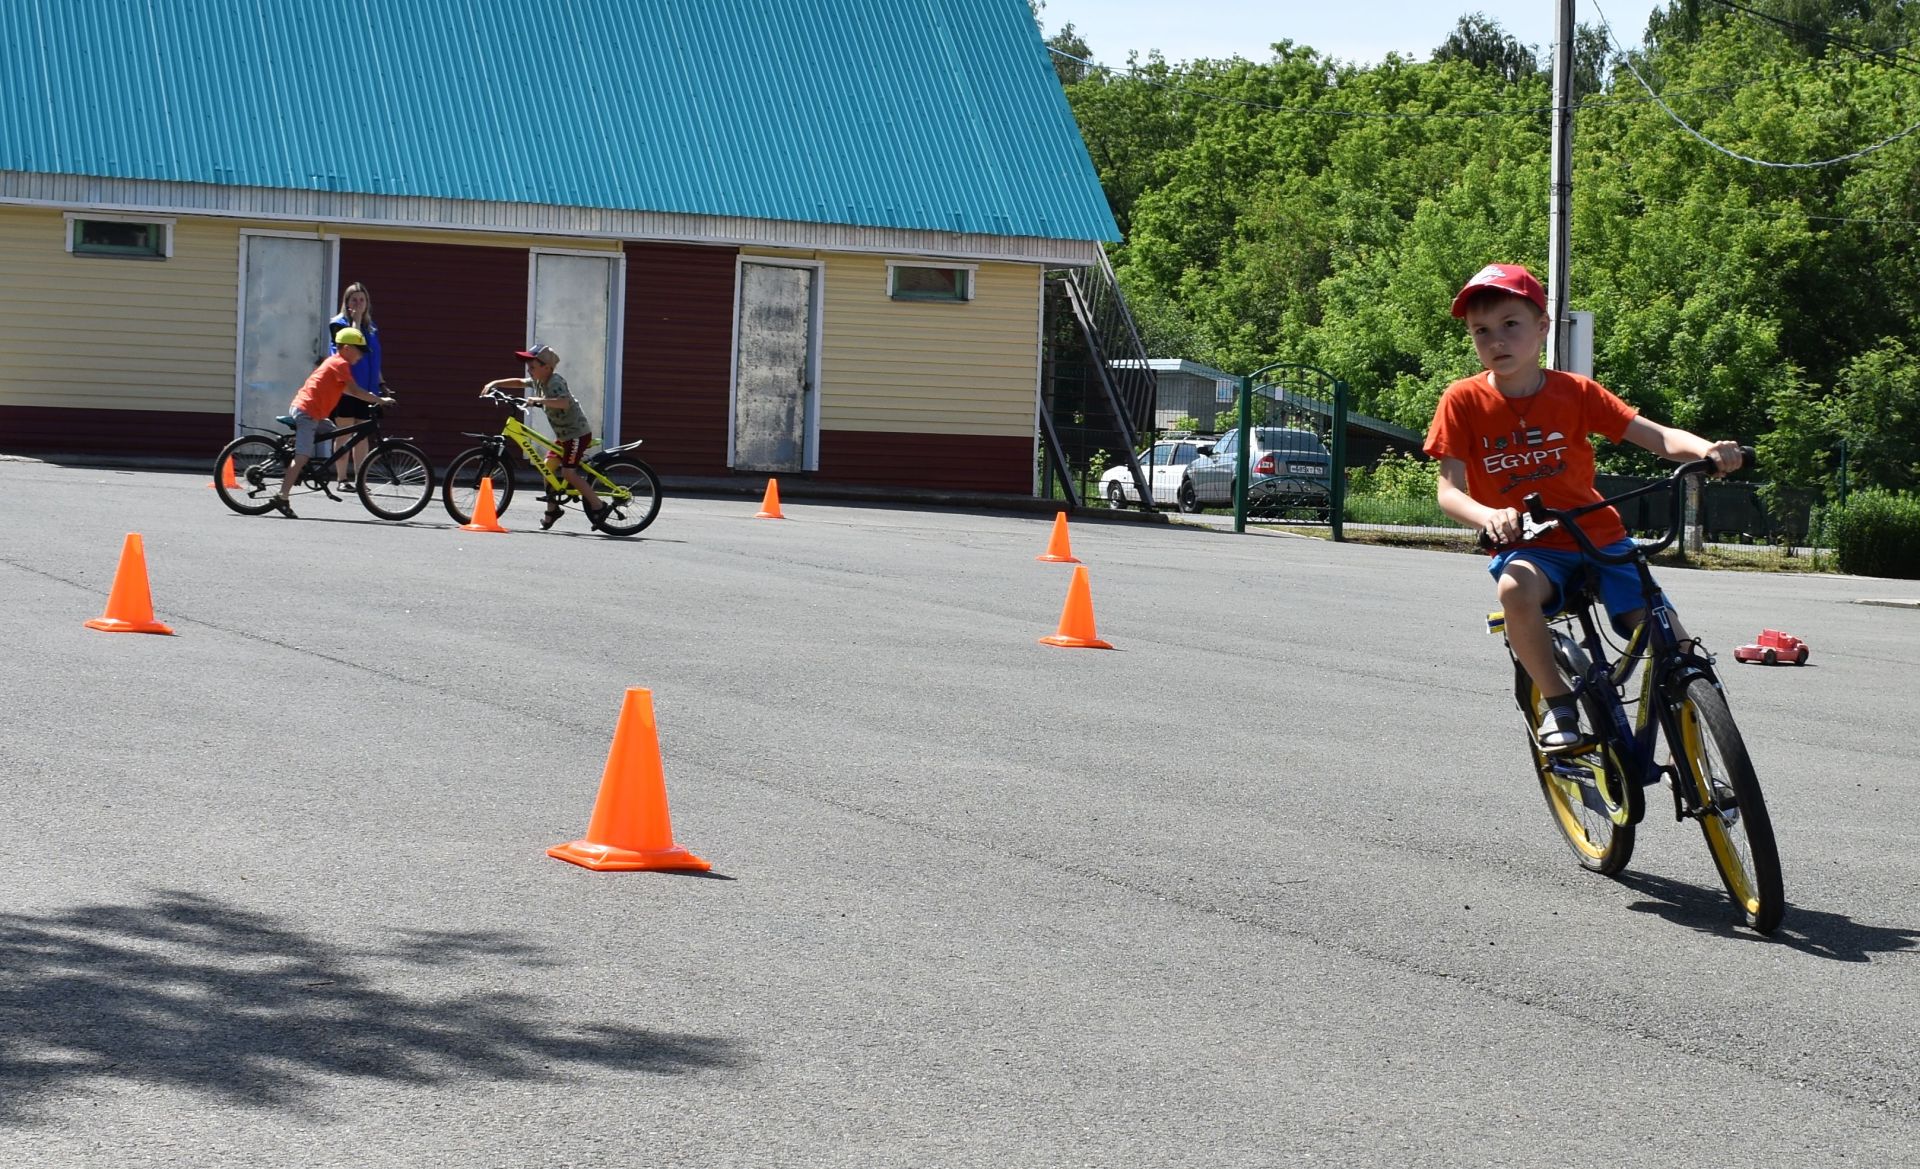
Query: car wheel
[[1768, 657], [1116, 496], [1188, 501], [1800, 659]]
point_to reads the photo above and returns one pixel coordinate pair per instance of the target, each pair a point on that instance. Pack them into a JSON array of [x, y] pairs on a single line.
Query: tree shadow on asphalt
[[1833, 936], [187, 992]]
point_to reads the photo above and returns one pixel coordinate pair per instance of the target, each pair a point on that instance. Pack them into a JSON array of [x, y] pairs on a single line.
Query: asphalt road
[[1268, 884]]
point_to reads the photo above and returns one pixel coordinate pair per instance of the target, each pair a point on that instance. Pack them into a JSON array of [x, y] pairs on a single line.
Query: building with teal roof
[[767, 236]]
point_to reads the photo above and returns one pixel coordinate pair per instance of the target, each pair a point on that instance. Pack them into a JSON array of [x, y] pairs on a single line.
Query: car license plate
[[1303, 469]]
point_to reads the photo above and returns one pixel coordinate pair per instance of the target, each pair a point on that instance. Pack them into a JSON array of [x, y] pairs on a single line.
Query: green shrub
[[1877, 533], [1396, 476]]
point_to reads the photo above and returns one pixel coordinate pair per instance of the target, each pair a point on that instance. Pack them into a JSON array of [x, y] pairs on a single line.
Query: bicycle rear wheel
[[1594, 803], [635, 497], [461, 491], [395, 480], [1712, 757], [259, 466]]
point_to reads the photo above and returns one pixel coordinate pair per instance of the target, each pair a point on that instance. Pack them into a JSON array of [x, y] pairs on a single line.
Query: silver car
[[1288, 470]]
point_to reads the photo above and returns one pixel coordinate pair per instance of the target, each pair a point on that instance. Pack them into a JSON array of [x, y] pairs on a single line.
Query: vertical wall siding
[[450, 317], [929, 367], [678, 361], [125, 334]]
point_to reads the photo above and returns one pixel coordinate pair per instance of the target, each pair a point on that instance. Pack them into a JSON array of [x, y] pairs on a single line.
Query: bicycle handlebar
[[1549, 517], [501, 397]]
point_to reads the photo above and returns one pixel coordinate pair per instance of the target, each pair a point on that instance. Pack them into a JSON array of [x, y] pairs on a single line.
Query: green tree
[[1480, 41]]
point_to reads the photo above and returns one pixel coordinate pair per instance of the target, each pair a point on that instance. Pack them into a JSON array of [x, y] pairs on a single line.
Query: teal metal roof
[[929, 114]]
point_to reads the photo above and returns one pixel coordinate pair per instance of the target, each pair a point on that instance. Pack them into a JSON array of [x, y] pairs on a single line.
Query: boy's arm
[[1502, 524], [505, 383], [1680, 445]]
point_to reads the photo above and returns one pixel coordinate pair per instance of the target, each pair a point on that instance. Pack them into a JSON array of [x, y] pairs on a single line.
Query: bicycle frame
[[530, 442], [1654, 650], [341, 441], [1654, 644]]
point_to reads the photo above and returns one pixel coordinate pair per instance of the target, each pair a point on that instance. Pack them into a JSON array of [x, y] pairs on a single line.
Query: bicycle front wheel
[[395, 480], [259, 466], [461, 492], [1712, 757], [1588, 790], [634, 496]]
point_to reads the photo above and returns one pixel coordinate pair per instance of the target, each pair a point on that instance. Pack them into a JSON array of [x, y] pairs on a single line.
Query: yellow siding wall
[[114, 334], [117, 334], [924, 366]]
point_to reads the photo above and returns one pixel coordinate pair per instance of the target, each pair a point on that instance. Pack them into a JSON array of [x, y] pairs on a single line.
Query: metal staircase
[[1099, 392]]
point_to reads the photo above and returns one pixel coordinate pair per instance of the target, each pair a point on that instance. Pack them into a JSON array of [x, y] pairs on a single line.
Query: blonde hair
[[366, 316]]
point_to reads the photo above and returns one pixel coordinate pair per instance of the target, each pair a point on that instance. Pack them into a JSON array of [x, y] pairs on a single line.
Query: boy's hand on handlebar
[[1502, 526], [1726, 457]]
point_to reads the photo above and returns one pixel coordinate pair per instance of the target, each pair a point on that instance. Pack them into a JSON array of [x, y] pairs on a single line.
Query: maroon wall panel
[[953, 462], [679, 356], [450, 317], [171, 433]]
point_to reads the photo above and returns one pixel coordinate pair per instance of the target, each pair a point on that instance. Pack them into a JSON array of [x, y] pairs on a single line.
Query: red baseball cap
[[1509, 278]]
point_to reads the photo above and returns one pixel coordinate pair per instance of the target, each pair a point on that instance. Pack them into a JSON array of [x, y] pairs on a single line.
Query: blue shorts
[[1619, 583], [306, 429]]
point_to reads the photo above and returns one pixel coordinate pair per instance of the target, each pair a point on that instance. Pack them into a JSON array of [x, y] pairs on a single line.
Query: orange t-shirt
[[1514, 447], [323, 388]]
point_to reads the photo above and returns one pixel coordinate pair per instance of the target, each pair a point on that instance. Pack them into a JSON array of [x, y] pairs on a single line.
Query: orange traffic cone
[[630, 829], [226, 474], [1057, 547], [130, 605], [770, 506], [1076, 619], [484, 519]]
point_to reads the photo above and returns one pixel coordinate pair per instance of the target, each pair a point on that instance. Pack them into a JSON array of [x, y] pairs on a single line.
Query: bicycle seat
[[285, 420]]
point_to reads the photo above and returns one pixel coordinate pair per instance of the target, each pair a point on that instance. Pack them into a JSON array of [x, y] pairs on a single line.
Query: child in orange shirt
[[313, 406], [1515, 429]]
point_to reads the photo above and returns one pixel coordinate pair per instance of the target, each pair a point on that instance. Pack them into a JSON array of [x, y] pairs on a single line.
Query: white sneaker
[[1559, 730]]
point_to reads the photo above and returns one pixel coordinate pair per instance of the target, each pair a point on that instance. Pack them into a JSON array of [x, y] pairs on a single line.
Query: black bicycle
[[394, 479], [1596, 790]]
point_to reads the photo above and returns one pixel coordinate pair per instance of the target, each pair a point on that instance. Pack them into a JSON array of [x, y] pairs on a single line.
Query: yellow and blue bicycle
[[1596, 791], [628, 486]]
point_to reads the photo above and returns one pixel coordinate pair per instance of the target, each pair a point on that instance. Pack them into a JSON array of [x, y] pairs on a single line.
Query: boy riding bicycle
[[313, 406], [1516, 429], [571, 430]]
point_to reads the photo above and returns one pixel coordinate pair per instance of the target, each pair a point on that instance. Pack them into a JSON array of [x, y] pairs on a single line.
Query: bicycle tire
[[1711, 755], [641, 490], [461, 488], [395, 480], [1588, 792], [259, 467]]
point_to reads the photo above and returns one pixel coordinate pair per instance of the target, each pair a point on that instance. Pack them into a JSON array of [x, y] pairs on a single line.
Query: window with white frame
[[950, 282], [119, 237]]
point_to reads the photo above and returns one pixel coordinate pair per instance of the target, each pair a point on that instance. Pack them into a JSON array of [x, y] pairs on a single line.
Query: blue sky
[[1353, 30]]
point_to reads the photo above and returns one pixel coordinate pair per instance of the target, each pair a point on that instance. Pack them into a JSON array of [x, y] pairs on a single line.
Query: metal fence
[[1394, 502]]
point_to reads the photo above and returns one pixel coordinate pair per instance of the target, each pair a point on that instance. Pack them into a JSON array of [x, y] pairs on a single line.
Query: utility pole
[[1560, 218]]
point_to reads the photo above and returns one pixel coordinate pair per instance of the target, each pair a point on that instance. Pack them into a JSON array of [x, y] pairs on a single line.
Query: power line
[[1331, 113], [1867, 51], [1527, 111], [1682, 122]]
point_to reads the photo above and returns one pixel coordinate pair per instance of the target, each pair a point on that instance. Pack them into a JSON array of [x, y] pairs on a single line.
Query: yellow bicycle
[[622, 481]]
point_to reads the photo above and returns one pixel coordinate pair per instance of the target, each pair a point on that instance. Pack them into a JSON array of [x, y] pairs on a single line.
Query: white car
[[1165, 465]]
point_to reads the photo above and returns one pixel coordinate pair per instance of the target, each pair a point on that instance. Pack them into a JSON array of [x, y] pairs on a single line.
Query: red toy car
[[1773, 648]]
